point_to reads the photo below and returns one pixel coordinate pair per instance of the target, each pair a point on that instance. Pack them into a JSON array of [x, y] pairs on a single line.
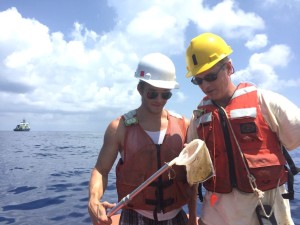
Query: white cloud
[[258, 41], [25, 38], [151, 26], [261, 68], [64, 75], [287, 10], [93, 73], [227, 18], [277, 55]]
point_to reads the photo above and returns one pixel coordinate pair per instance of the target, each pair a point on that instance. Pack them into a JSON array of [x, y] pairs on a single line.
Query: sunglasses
[[209, 77], [163, 95]]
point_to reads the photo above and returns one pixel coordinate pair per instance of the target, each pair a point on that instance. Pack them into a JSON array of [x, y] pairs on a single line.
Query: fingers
[[92, 209], [97, 212], [112, 209], [108, 205]]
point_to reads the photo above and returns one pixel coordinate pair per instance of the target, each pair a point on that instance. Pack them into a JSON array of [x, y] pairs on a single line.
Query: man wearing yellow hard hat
[[245, 129]]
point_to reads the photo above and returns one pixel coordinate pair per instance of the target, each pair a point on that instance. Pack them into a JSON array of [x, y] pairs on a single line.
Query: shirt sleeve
[[282, 116]]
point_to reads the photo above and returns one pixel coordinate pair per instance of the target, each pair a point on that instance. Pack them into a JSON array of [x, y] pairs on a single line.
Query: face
[[216, 82], [154, 99]]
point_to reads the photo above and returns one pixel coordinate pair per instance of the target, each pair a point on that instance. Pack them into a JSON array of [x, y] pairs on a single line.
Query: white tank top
[[157, 136]]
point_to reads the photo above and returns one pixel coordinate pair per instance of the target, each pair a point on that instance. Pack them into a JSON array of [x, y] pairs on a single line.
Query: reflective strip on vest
[[247, 112], [236, 94], [205, 118], [205, 102], [130, 114], [243, 91]]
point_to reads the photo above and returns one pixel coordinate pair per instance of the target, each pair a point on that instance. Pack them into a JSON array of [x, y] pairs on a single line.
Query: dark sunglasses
[[209, 77], [163, 95]]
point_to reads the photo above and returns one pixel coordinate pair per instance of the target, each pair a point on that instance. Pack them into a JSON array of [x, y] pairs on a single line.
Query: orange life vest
[[142, 158], [260, 146]]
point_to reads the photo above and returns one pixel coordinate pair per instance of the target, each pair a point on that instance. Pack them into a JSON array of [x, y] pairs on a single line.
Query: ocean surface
[[44, 177]]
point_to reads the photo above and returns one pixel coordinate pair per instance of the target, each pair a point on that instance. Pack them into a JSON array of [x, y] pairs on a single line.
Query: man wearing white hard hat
[[146, 138]]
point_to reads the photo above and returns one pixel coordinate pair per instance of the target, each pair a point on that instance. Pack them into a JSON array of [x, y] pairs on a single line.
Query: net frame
[[199, 166], [189, 153]]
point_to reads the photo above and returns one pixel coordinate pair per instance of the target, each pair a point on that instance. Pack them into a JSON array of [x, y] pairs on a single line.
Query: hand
[[97, 211]]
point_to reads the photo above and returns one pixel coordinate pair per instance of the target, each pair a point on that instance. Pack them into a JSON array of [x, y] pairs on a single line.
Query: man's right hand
[[97, 211]]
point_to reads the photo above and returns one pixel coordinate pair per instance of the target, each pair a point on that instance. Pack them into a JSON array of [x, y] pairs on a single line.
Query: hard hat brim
[[162, 84], [189, 74]]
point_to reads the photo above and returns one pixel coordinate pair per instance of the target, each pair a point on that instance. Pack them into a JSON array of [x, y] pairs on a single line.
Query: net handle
[[130, 196]]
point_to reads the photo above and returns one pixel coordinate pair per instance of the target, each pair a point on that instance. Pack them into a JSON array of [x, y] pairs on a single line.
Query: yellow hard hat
[[205, 51]]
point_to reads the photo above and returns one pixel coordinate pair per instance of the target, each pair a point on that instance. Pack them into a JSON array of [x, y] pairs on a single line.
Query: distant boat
[[23, 126]]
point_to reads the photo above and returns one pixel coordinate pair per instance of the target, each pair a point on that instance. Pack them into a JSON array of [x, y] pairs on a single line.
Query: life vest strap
[[292, 171], [164, 184], [164, 204]]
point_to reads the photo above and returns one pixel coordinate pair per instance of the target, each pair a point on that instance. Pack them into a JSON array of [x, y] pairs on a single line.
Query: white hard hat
[[157, 70]]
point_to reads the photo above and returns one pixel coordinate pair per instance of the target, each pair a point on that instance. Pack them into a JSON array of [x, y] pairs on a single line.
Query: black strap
[[262, 219], [164, 184], [200, 195], [159, 192], [228, 145], [159, 202], [292, 171], [290, 185], [165, 203]]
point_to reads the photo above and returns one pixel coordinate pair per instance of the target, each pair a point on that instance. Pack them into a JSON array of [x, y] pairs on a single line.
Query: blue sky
[[69, 65]]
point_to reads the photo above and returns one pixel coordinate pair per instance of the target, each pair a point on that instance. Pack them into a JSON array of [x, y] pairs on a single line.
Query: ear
[[229, 68]]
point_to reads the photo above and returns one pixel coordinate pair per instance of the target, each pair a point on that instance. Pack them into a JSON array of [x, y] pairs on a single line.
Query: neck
[[225, 100], [150, 115], [152, 121]]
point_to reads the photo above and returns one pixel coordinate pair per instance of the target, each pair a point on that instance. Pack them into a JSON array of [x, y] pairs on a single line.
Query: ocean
[[44, 177]]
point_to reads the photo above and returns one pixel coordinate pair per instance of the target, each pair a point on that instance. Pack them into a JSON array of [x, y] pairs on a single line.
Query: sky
[[69, 65]]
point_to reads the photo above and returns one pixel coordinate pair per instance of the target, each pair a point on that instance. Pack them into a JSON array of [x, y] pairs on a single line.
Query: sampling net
[[195, 156]]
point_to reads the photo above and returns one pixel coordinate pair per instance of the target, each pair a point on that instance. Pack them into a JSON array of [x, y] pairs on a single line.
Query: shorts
[[131, 217]]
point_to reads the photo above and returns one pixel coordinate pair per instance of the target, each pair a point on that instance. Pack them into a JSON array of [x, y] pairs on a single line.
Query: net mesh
[[195, 156]]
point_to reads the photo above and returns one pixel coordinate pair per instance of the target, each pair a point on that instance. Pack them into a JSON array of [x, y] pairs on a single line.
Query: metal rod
[[130, 196]]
